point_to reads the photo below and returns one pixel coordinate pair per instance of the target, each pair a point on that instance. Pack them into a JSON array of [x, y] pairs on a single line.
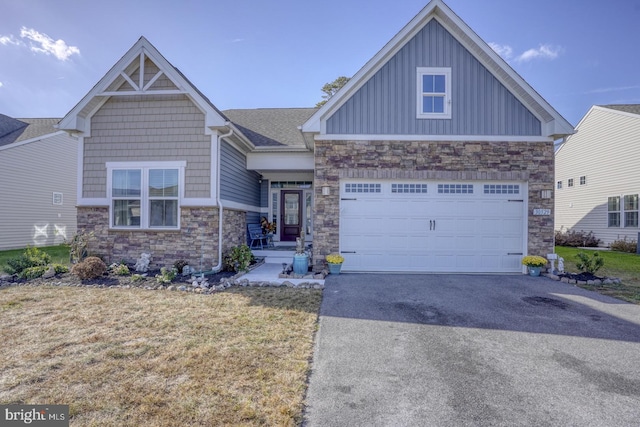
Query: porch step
[[275, 256]]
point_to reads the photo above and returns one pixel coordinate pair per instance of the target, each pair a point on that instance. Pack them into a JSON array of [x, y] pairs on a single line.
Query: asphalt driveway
[[466, 350]]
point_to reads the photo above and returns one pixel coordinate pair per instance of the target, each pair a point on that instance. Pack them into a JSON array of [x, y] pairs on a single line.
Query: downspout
[[218, 267]]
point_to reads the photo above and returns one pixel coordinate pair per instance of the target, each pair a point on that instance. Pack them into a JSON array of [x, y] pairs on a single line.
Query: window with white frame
[[583, 180], [145, 195], [434, 93], [559, 185], [631, 210], [613, 211], [570, 182]]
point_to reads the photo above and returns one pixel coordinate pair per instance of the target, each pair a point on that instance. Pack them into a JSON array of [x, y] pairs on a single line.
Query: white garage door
[[432, 226]]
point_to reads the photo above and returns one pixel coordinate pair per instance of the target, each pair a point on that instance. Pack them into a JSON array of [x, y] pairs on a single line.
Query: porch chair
[[256, 236]]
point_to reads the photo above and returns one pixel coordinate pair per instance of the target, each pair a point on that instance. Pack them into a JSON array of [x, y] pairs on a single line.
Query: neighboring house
[[597, 180], [436, 156], [38, 165]]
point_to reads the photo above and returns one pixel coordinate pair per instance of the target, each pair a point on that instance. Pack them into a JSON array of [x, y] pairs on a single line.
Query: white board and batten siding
[[30, 173], [433, 226]]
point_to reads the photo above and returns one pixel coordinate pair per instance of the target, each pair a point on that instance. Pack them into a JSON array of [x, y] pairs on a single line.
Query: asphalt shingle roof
[[271, 127], [16, 130], [627, 108]]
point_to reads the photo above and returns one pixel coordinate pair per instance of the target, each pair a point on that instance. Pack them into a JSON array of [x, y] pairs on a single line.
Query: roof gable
[[141, 71], [553, 124], [10, 129]]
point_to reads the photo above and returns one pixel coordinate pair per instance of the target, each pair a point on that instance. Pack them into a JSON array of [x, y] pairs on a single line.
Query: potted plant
[[534, 263], [335, 261]]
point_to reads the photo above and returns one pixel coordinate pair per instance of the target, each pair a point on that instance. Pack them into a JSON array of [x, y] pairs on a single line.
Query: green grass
[[59, 255], [624, 266]]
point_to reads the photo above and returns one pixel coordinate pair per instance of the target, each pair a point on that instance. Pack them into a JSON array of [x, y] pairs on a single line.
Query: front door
[[291, 215]]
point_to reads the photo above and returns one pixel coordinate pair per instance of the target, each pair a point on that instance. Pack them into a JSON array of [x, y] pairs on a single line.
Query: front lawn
[[133, 357], [624, 266]]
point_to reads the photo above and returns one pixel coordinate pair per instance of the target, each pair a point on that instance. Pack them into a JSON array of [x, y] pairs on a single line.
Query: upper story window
[[434, 93], [570, 182], [145, 195], [583, 180], [559, 185]]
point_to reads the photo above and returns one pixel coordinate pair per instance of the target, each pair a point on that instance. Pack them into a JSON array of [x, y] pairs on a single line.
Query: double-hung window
[[145, 195], [613, 211], [631, 210], [434, 93]]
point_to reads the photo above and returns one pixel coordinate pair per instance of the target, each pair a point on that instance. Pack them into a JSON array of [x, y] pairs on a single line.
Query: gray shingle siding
[[386, 104], [237, 184]]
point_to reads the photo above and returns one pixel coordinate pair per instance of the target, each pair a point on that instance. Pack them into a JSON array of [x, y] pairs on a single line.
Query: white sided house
[[597, 175], [38, 165], [435, 157]]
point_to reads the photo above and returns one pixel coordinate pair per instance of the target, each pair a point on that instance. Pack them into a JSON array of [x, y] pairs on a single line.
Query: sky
[[279, 53]]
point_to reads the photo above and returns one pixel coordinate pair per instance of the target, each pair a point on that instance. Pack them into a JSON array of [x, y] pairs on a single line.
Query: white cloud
[[544, 51], [10, 39], [42, 43], [503, 50], [1, 84]]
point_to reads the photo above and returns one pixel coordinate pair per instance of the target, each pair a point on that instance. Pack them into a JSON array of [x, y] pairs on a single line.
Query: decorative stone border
[[605, 281]]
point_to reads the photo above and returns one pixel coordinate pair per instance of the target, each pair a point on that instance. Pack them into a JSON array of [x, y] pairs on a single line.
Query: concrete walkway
[[464, 350], [269, 273]]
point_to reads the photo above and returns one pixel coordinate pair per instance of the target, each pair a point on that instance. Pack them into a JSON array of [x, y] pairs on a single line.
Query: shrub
[[179, 265], [91, 268], [33, 272], [78, 247], [238, 258], [166, 275], [577, 239], [120, 269], [589, 264], [625, 246], [60, 268], [31, 257]]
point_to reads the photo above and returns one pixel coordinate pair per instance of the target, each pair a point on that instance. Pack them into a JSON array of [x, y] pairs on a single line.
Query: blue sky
[[252, 53]]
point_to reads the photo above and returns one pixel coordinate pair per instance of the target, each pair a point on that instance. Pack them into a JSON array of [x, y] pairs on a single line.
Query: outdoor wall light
[[326, 190]]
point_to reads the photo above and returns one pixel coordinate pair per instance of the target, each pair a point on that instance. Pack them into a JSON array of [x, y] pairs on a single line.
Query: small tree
[[330, 89], [589, 264]]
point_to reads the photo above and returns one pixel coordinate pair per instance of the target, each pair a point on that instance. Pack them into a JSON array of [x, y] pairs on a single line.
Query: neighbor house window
[[570, 182], [434, 93], [631, 210], [145, 195], [559, 185], [613, 208], [583, 180]]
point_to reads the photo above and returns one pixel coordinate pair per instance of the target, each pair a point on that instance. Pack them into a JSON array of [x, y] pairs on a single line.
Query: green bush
[[238, 258], [120, 270], [31, 257], [589, 264], [33, 272], [92, 267], [577, 239], [166, 275], [625, 246]]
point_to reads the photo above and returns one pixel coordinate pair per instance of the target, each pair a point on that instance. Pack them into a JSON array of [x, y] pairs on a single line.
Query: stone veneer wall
[[198, 235], [532, 162]]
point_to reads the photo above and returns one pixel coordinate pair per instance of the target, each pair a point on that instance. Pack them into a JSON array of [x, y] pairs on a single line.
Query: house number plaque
[[542, 211]]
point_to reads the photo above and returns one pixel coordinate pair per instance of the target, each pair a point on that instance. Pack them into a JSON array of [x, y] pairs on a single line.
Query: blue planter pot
[[300, 264], [334, 268], [534, 271]]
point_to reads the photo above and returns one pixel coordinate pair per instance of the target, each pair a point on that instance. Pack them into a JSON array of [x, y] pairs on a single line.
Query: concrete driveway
[[466, 350]]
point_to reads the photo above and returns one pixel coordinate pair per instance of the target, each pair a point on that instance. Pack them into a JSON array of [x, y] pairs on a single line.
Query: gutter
[[218, 267]]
